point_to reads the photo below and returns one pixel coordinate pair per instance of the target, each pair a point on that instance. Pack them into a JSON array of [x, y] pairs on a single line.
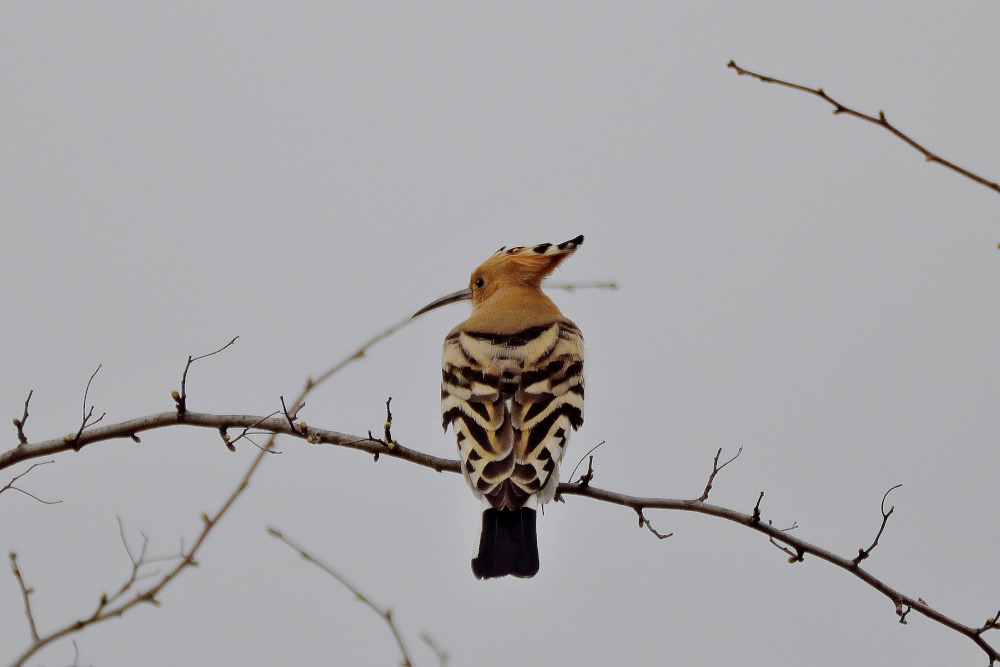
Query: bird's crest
[[528, 265]]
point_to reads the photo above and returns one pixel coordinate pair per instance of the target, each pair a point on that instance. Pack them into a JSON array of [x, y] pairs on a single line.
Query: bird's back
[[512, 399]]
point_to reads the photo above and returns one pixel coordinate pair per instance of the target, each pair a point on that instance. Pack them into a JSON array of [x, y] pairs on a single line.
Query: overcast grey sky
[[304, 174]]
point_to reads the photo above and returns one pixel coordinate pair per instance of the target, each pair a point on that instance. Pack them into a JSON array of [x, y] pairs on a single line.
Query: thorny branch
[[881, 121], [386, 613]]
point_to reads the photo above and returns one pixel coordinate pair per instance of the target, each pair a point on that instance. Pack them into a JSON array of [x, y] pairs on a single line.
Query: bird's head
[[519, 267]]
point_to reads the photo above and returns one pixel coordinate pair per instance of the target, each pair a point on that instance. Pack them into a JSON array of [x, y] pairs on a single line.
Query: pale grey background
[[303, 174]]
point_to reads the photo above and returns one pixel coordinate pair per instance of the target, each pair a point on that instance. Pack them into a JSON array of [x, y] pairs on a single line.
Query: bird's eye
[[480, 282]]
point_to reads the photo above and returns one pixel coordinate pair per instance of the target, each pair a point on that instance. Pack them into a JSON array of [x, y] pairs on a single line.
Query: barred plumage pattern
[[512, 389], [511, 400]]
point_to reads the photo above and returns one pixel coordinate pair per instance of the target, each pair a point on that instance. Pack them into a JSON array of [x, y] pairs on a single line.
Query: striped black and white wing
[[549, 402], [511, 400]]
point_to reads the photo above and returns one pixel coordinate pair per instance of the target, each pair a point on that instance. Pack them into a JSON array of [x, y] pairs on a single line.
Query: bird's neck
[[512, 308]]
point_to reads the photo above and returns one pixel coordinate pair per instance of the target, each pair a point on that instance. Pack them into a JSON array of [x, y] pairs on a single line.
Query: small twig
[[386, 613], [19, 423], [990, 624], [715, 471], [755, 517], [231, 443], [590, 469], [87, 415], [881, 121], [387, 440], [301, 428], [441, 654], [796, 556], [864, 553], [644, 523], [180, 399], [26, 592], [10, 485]]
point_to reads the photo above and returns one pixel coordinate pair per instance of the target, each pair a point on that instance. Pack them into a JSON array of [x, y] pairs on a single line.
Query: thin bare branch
[[880, 120], [357, 354], [590, 467], [19, 423], [864, 553], [301, 428], [279, 425], [798, 547], [180, 398], [10, 485], [115, 606], [441, 654], [644, 523], [74, 440], [793, 556], [715, 471], [386, 613], [26, 593]]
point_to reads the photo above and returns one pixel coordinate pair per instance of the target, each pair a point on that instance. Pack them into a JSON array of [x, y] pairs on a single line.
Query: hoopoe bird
[[511, 389]]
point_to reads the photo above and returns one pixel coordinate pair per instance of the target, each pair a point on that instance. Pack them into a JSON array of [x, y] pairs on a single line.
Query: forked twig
[[586, 479], [180, 399], [715, 471], [74, 440], [10, 485]]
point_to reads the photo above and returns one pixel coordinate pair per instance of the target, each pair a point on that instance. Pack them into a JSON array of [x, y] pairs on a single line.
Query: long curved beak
[[460, 295]]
